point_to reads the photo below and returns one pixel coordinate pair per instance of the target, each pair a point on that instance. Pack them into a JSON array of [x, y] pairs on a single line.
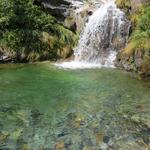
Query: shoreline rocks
[[134, 58]]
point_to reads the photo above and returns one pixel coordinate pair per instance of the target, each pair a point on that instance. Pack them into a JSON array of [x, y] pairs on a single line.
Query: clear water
[[42, 106]]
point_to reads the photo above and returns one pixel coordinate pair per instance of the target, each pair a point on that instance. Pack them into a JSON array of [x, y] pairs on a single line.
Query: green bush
[[22, 25], [141, 34]]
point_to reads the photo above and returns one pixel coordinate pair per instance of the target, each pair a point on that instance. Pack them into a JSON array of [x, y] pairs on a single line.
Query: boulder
[[58, 8]]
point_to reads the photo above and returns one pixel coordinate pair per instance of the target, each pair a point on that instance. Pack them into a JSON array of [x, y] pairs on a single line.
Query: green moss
[[140, 37], [141, 34]]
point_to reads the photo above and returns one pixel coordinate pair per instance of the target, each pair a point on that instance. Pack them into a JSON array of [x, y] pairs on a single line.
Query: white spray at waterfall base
[[104, 35]]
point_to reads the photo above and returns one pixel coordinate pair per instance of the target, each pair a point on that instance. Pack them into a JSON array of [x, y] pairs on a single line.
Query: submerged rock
[[143, 119], [3, 138], [103, 146]]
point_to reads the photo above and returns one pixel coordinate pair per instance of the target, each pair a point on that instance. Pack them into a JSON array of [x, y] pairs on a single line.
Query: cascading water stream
[[104, 35]]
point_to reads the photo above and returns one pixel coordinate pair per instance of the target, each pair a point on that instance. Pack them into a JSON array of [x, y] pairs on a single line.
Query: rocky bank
[[136, 55]]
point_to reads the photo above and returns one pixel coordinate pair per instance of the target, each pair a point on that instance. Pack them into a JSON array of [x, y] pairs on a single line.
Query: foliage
[[140, 38], [136, 55], [22, 25]]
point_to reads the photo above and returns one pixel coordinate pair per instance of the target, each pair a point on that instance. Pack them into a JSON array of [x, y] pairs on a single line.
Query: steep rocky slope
[[136, 55]]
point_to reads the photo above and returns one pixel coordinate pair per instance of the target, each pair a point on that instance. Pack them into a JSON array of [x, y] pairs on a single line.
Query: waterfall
[[104, 35]]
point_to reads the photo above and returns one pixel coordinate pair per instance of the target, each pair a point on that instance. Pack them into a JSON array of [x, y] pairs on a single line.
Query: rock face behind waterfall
[[104, 34], [72, 13]]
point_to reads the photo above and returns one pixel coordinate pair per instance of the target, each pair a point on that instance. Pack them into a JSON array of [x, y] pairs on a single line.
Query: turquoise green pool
[[43, 107]]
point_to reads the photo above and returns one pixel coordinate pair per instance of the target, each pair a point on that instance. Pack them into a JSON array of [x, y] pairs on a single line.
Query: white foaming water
[[87, 65], [105, 33]]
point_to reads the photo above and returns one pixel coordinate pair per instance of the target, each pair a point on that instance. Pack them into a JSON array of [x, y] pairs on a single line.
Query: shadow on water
[[43, 107]]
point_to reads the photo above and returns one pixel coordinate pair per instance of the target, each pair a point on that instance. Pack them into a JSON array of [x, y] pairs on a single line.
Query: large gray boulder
[[58, 8]]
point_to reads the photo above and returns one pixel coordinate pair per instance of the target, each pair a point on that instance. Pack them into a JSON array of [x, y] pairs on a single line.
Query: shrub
[[22, 25], [141, 34]]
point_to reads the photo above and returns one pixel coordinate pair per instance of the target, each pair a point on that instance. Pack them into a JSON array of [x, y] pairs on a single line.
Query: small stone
[[87, 148], [25, 147], [136, 118], [16, 134], [99, 138], [125, 116], [146, 121], [105, 139], [3, 137], [78, 120], [103, 146], [60, 145]]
